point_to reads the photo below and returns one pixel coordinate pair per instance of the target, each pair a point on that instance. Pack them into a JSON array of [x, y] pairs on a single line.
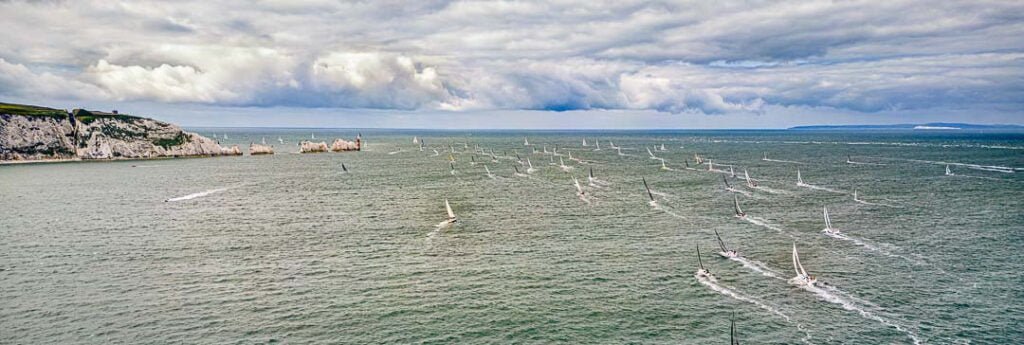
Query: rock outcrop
[[30, 133], [311, 147], [259, 149]]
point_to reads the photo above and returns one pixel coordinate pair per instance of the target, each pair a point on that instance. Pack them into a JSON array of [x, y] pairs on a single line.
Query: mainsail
[[800, 272], [649, 194], [799, 179], [720, 243], [447, 206], [736, 205], [746, 176], [828, 222]]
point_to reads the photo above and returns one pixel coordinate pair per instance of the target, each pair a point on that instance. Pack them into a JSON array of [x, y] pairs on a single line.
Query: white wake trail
[[851, 306], [757, 266], [780, 161], [736, 295], [869, 246], [762, 223], [197, 195], [826, 189]]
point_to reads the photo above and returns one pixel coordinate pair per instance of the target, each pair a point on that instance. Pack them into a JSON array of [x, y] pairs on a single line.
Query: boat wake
[[757, 266], [873, 203], [869, 246], [761, 222], [770, 190], [739, 191], [713, 285], [850, 305], [826, 189], [197, 195], [780, 161]]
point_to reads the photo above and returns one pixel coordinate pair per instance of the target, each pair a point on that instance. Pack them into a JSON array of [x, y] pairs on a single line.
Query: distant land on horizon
[[933, 126]]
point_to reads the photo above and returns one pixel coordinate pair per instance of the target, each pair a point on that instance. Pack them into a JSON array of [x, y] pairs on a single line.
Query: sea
[[291, 248]]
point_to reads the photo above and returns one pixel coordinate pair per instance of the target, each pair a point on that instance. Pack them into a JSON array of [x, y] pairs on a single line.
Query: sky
[[516, 64]]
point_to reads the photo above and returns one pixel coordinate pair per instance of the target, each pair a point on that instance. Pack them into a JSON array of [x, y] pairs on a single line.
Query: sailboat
[[948, 172], [619, 149], [662, 148], [855, 196], [590, 178], [472, 160], [312, 136], [649, 194], [517, 170], [415, 140], [488, 170], [263, 140], [584, 142], [663, 166], [732, 172], [828, 223], [802, 278], [750, 183], [732, 331], [280, 140], [650, 153], [799, 179], [597, 144], [451, 215], [530, 168], [726, 252], [561, 164], [849, 159], [579, 190], [687, 162], [711, 166], [764, 157], [727, 186], [343, 168], [452, 165], [701, 271], [736, 206], [225, 136], [697, 159], [451, 158], [526, 142]]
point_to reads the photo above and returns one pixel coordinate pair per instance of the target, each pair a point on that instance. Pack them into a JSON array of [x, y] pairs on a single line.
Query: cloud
[[673, 56]]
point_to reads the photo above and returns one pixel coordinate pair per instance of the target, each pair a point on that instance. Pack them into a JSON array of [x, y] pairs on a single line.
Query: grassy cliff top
[[87, 116], [32, 110]]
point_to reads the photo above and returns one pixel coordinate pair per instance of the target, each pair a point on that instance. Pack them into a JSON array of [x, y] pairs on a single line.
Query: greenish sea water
[[288, 248]]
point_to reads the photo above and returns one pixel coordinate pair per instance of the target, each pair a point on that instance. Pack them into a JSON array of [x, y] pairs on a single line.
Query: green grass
[[179, 139], [32, 110], [86, 116]]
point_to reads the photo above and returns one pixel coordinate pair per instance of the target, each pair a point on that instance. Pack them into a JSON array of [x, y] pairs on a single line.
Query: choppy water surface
[[289, 248]]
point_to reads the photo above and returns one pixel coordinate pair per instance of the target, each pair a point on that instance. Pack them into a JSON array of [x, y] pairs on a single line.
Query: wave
[[826, 189], [761, 222], [739, 191], [781, 161], [869, 246], [197, 195]]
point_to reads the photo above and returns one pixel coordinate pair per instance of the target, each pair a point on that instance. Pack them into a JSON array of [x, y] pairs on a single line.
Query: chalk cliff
[[29, 133]]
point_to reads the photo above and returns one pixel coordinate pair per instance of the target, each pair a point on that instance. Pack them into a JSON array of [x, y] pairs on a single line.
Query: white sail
[[828, 222], [711, 166], [799, 179], [526, 142], [747, 177], [415, 140], [447, 206], [663, 147], [663, 166], [736, 204], [488, 170], [280, 140], [800, 272], [263, 140], [584, 141], [577, 184], [731, 172], [765, 157], [312, 136], [529, 163], [225, 136], [650, 153], [948, 172], [855, 195], [597, 144]]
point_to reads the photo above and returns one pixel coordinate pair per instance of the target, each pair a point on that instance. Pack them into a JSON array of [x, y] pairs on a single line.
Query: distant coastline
[[933, 126]]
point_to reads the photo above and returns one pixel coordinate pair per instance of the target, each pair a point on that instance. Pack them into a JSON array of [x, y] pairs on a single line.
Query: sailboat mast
[[649, 194]]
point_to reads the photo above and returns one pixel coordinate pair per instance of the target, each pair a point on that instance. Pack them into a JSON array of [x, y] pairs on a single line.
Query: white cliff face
[[312, 147], [257, 149], [35, 137], [40, 138]]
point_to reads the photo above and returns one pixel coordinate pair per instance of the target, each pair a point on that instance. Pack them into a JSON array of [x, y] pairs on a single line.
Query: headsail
[[799, 179], [576, 183], [584, 141]]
